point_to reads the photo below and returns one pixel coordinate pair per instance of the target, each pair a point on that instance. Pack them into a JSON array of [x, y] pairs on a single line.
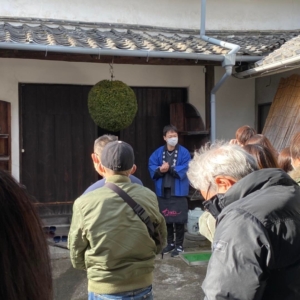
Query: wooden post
[[209, 84]]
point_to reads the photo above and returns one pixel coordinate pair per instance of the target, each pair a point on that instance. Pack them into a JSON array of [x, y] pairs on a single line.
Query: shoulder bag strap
[[139, 210]]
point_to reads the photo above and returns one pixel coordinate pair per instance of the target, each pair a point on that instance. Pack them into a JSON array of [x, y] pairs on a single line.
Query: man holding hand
[[168, 166]]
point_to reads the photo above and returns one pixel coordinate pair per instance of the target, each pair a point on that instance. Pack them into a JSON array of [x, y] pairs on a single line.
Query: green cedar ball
[[112, 104]]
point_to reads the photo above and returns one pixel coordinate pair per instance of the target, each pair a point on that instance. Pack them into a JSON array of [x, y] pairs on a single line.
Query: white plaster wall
[[15, 71], [235, 105], [229, 14], [266, 87]]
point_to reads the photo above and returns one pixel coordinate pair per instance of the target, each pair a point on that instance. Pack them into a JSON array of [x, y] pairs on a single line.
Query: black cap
[[117, 156]]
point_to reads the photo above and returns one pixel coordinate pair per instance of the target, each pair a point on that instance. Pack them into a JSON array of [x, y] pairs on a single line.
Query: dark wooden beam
[[209, 84], [103, 59]]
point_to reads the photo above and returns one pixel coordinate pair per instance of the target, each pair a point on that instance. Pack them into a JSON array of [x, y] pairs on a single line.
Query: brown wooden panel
[[192, 133], [58, 136], [4, 117], [209, 85], [4, 165], [29, 141], [3, 146], [5, 136], [177, 117]]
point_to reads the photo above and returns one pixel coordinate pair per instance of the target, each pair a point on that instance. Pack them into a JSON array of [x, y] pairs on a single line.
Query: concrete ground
[[173, 278]]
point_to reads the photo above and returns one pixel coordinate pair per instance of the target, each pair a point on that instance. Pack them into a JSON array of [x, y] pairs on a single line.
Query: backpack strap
[[139, 210]]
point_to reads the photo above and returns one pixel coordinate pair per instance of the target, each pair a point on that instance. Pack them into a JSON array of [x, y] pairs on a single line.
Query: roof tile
[[146, 38]]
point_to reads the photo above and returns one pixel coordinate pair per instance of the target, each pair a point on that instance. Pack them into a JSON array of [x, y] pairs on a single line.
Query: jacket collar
[[165, 147], [118, 179], [255, 181]]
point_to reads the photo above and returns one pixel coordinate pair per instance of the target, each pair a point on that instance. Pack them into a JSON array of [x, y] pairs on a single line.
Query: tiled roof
[[288, 50], [135, 37], [284, 59]]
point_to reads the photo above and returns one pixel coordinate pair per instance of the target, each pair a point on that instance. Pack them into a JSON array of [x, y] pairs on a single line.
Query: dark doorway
[[263, 111], [57, 137]]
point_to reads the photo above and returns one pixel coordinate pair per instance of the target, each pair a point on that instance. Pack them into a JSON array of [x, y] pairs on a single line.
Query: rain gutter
[[118, 52], [228, 62], [273, 68]]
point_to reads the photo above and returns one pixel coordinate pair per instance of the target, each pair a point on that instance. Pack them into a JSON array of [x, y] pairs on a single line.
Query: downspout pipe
[[228, 62], [234, 48]]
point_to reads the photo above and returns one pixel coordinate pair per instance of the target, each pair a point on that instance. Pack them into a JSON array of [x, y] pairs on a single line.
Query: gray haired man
[[256, 246]]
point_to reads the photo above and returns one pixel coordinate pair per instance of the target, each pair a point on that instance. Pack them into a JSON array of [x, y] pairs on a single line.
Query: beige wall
[[229, 14], [235, 105], [15, 71]]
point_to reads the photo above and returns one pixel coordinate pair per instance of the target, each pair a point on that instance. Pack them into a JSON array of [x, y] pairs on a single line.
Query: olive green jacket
[[111, 242]]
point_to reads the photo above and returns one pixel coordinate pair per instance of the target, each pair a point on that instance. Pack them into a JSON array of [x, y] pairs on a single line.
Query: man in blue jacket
[[168, 166]]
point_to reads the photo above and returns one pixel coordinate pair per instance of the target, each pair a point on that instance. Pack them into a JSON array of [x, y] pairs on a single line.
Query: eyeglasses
[[49, 230], [62, 238]]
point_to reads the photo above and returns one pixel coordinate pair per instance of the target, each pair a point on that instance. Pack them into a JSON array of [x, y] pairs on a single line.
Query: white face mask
[[172, 141]]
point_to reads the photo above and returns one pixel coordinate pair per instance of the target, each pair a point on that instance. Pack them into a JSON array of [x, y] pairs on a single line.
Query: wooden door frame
[[209, 85], [8, 112], [20, 129]]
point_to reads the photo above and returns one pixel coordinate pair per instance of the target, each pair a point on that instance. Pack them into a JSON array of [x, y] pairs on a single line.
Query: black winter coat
[[256, 248]]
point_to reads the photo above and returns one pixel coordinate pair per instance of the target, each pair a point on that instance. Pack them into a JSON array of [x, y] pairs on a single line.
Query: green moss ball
[[112, 105]]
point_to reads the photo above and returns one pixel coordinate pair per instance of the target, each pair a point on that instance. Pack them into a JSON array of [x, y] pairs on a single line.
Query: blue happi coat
[[181, 167]]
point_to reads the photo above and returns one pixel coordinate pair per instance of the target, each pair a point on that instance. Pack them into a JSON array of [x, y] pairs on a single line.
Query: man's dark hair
[[168, 128]]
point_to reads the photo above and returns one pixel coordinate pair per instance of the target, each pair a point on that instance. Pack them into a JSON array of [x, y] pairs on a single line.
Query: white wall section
[[221, 15], [235, 105]]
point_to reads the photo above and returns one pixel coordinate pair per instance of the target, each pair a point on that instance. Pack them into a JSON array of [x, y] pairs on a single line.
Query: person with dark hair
[[285, 160], [264, 141], [168, 166], [295, 157], [243, 134], [109, 238], [24, 260], [256, 245], [263, 156], [99, 144]]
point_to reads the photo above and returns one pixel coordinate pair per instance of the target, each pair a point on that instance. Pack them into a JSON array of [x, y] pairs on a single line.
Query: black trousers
[[179, 233]]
